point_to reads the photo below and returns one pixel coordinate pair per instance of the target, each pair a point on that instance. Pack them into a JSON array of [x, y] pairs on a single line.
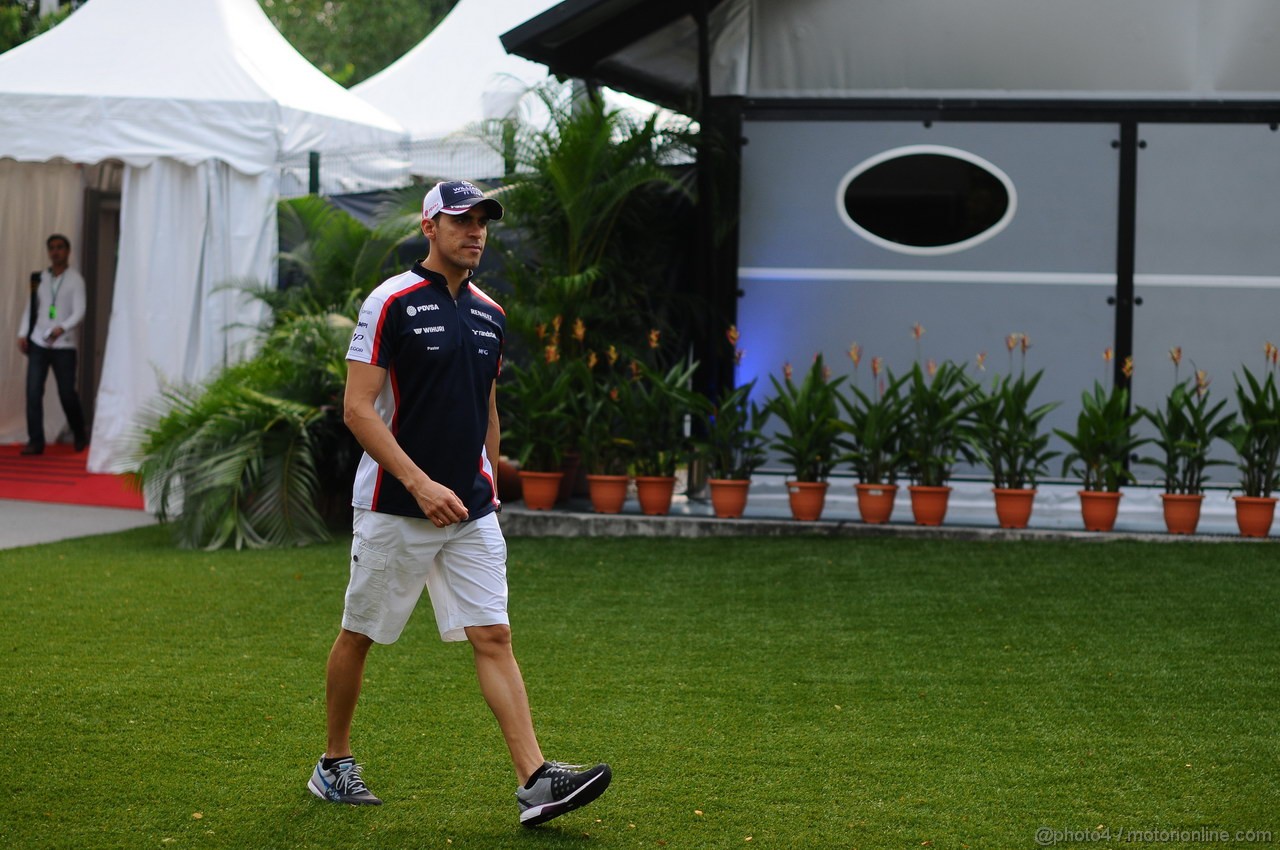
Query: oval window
[[926, 199]]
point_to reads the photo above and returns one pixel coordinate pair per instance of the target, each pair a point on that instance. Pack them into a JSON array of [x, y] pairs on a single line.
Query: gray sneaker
[[561, 788], [341, 784]]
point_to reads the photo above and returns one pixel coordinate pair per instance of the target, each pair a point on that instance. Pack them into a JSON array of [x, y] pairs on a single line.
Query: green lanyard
[[53, 301]]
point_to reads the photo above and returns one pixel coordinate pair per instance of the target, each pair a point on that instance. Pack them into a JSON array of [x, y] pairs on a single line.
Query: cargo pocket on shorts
[[367, 591]]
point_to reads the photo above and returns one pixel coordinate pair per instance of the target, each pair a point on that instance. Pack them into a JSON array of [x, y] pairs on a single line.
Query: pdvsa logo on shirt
[[413, 311]]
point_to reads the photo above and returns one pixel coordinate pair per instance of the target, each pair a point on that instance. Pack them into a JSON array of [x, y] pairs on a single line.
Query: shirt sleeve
[[371, 339], [74, 287]]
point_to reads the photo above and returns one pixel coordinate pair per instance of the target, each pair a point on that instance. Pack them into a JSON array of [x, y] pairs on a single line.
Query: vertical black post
[[313, 169], [1126, 236], [704, 251]]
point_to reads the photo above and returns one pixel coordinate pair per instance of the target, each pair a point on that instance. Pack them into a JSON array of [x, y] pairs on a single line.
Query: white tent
[[201, 101], [459, 76]]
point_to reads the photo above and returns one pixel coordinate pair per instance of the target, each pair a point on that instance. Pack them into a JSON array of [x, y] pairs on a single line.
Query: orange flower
[[855, 354], [612, 355], [982, 361], [917, 331], [876, 364], [592, 360], [1267, 350], [1107, 354], [1025, 342], [1127, 368], [613, 394], [551, 354], [654, 337], [826, 373], [1202, 382], [931, 367], [1011, 342], [541, 330], [732, 334], [579, 330], [786, 371], [556, 323], [635, 369], [1175, 354]]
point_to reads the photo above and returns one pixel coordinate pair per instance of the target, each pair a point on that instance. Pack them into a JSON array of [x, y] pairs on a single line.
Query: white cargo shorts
[[462, 566]]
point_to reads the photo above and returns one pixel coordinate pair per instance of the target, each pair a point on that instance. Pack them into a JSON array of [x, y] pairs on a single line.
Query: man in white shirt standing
[[49, 338]]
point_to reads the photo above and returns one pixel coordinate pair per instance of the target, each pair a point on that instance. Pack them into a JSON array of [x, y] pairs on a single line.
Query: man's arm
[[494, 434], [364, 384]]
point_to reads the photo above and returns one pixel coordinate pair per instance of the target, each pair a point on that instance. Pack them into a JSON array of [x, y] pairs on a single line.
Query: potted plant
[[605, 452], [1256, 440], [1185, 429], [1008, 440], [1100, 447], [938, 427], [655, 406], [537, 400], [873, 425], [809, 438], [733, 446]]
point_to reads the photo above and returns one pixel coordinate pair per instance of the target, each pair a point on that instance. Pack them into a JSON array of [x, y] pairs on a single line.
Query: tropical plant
[[656, 404], [1256, 434], [733, 441], [1007, 436], [1103, 440], [259, 455], [1186, 428], [537, 401], [602, 444], [591, 196], [810, 416], [874, 425], [938, 416]]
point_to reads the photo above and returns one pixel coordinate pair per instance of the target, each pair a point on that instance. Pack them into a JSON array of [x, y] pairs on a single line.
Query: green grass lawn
[[828, 693]]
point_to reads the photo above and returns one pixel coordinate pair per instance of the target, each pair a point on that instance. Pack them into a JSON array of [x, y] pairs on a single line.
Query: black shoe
[[561, 788], [81, 444], [30, 449]]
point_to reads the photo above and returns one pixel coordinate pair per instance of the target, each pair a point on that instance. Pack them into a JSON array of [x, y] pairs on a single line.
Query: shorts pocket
[[367, 590]]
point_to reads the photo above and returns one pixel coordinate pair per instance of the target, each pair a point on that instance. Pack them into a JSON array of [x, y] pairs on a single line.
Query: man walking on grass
[[421, 399]]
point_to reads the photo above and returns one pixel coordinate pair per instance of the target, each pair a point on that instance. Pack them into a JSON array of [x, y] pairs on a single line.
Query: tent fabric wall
[[38, 199], [168, 330]]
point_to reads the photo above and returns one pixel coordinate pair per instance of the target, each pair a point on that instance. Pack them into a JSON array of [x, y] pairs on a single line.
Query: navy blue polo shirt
[[442, 357]]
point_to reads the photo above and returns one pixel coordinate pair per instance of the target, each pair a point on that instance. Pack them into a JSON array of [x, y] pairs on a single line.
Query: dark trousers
[[63, 361]]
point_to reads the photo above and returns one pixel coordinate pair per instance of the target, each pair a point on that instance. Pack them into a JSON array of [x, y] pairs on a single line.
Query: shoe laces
[[348, 780]]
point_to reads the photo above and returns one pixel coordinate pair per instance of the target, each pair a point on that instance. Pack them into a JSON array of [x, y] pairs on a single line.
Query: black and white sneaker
[[556, 788], [341, 784]]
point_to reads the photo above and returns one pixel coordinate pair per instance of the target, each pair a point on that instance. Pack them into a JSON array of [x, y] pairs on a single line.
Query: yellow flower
[[541, 330], [1011, 342], [592, 360], [579, 329], [855, 354], [1107, 354], [1127, 368], [931, 367], [1202, 382], [556, 322], [654, 337], [982, 361], [876, 364], [551, 354], [1175, 354], [612, 355], [732, 334]]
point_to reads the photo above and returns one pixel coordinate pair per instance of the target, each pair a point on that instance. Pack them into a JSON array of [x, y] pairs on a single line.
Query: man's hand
[[24, 345], [441, 505]]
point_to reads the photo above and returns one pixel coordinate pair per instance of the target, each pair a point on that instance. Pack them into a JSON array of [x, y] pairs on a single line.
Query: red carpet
[[59, 476]]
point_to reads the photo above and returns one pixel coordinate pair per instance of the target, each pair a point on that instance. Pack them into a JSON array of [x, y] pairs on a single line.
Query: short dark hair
[[48, 243]]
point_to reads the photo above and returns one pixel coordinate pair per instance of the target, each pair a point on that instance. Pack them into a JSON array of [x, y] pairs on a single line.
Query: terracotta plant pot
[[929, 504], [1098, 509], [608, 493], [1181, 512], [540, 489], [875, 502], [807, 499], [654, 493], [1013, 507], [1254, 515], [508, 481], [728, 496]]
